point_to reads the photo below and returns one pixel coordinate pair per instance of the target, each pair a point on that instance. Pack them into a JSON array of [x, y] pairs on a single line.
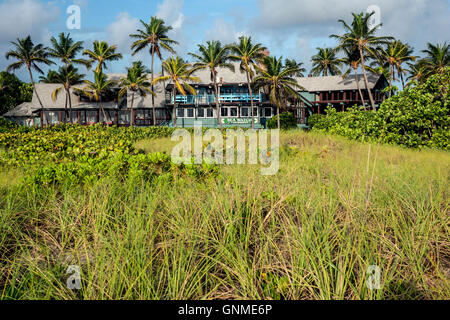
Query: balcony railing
[[208, 99]]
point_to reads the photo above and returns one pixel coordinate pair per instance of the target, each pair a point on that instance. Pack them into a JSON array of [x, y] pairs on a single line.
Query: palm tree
[[279, 79], [51, 77], [67, 77], [213, 56], [65, 49], [291, 63], [417, 72], [362, 38], [30, 56], [438, 57], [136, 82], [95, 90], [102, 53], [353, 60], [325, 63], [155, 36], [393, 56], [248, 54], [179, 72], [139, 67]]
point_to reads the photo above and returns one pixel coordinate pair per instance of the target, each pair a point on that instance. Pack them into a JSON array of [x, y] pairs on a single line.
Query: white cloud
[[19, 18], [224, 31], [415, 21], [170, 12], [119, 31]]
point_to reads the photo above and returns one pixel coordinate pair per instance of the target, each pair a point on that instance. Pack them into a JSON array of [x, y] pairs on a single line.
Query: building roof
[[311, 84], [337, 83], [25, 109]]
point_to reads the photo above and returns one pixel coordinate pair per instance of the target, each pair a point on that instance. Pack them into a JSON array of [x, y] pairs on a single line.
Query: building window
[[255, 112], [268, 112], [233, 112], [210, 113], [190, 113], [245, 112], [180, 113], [109, 116], [83, 116], [124, 117], [51, 117], [74, 116], [224, 112], [91, 117], [200, 112]]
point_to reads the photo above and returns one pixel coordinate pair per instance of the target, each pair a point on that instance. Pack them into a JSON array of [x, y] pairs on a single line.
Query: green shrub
[[315, 119], [417, 117], [287, 121]]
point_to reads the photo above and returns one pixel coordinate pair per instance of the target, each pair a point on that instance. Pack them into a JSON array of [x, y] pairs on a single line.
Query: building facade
[[234, 100]]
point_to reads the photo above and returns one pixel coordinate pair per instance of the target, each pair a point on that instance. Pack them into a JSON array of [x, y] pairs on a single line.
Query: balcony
[[208, 99]]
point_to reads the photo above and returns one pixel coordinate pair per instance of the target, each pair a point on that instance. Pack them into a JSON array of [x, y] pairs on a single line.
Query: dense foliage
[[13, 92], [287, 121], [77, 154], [417, 117]]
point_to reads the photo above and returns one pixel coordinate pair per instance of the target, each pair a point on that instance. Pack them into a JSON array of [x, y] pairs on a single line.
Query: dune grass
[[335, 208]]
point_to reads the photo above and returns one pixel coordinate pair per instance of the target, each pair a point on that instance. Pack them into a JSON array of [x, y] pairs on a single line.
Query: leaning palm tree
[[360, 36], [248, 54], [30, 56], [393, 57], [155, 36], [353, 61], [95, 90], [281, 84], [326, 63], [213, 56], [136, 82], [437, 59], [291, 63], [102, 53], [179, 73], [66, 49], [67, 77]]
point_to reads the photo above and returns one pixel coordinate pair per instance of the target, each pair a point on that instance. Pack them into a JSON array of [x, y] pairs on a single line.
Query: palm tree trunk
[[174, 106], [216, 90], [103, 111], [251, 99], [153, 89], [65, 106], [131, 110], [70, 105], [37, 95], [359, 89], [391, 75], [68, 95], [363, 66], [278, 116]]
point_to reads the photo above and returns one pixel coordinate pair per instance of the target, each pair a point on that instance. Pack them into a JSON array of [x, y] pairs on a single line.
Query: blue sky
[[291, 28]]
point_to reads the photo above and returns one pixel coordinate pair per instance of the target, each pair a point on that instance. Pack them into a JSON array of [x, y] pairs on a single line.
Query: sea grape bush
[[417, 117], [77, 155]]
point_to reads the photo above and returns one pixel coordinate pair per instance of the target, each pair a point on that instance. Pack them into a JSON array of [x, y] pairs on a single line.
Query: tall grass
[[311, 232]]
